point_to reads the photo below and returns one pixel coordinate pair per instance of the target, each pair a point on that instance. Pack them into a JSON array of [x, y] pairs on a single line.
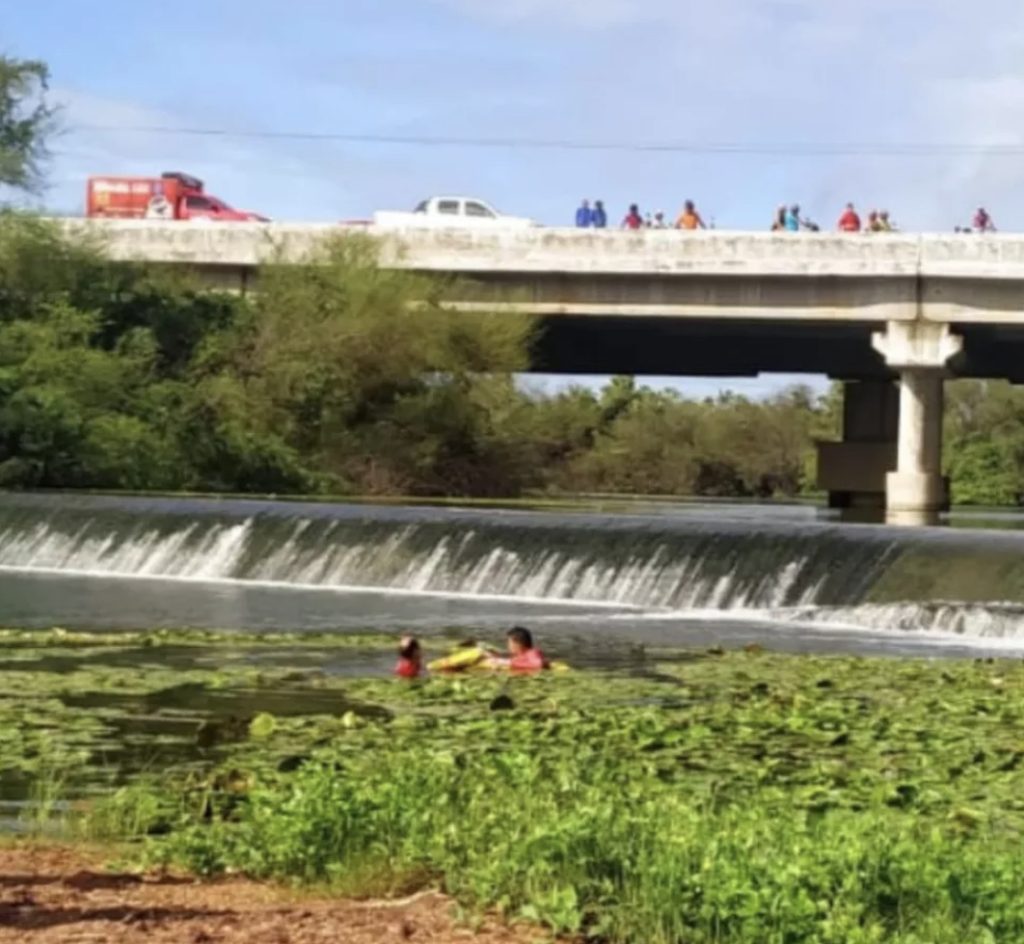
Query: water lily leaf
[[263, 725]]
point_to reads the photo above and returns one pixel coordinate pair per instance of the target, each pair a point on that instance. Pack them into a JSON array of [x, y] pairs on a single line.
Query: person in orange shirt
[[849, 222], [690, 218]]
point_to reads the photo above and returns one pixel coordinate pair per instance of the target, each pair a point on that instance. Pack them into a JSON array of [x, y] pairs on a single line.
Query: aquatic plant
[[681, 799]]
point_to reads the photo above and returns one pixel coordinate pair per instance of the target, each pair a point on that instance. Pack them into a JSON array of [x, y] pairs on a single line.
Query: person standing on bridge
[[584, 215], [983, 222], [849, 222], [633, 219], [598, 216], [690, 218]]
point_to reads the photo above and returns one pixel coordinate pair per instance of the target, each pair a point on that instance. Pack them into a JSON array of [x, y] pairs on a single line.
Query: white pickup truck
[[450, 212]]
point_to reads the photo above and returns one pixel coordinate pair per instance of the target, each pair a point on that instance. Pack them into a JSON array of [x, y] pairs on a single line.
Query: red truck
[[171, 196]]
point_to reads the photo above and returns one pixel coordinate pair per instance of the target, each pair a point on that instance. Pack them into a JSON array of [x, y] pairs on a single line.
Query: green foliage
[[648, 442], [732, 798], [986, 472], [756, 798], [985, 442], [339, 377], [26, 120], [262, 726], [365, 374]]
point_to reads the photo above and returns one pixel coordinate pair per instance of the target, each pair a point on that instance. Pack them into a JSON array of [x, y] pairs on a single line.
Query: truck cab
[[451, 212], [198, 206], [457, 206]]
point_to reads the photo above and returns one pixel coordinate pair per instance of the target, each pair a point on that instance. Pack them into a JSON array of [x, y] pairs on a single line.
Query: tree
[[26, 121], [364, 374]]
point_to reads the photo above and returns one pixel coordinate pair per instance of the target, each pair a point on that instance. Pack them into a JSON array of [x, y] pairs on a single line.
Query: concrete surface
[[644, 252], [657, 273]]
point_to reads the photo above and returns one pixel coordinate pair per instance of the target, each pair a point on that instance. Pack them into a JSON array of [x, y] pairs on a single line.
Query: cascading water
[[787, 571]]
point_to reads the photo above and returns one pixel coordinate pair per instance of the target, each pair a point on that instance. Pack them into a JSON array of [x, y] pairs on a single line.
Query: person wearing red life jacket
[[410, 658], [524, 656]]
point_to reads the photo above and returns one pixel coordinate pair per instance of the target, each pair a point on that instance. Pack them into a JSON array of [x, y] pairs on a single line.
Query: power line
[[793, 149]]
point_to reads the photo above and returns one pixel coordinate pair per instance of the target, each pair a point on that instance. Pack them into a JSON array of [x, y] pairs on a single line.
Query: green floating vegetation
[[703, 797], [93, 709]]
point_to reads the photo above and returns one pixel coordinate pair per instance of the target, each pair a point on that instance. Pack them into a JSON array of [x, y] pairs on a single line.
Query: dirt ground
[[56, 896]]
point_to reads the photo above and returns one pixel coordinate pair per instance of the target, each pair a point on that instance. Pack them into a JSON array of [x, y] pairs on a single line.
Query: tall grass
[[594, 845]]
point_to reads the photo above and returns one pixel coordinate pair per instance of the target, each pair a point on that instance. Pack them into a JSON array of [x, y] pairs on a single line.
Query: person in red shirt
[[523, 655], [983, 222], [849, 222], [410, 658], [633, 218]]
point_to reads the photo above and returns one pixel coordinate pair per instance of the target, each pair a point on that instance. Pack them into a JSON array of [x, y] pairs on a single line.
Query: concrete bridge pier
[[917, 491], [853, 471]]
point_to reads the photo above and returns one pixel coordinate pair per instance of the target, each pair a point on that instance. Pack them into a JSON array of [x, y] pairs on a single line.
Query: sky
[[817, 101]]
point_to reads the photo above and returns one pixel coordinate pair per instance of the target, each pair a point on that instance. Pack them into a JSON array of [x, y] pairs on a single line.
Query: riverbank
[[54, 895], [675, 797]]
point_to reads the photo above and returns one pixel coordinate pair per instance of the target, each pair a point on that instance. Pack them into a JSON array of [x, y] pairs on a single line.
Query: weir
[[962, 581]]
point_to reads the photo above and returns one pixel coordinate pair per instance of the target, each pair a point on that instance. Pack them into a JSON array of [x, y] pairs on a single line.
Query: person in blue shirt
[[598, 217], [792, 219], [584, 215]]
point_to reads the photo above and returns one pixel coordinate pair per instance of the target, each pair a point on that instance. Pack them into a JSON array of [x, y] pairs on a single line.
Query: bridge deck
[[669, 302]]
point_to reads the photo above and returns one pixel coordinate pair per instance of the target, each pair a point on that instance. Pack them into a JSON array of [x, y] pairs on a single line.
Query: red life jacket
[[530, 661], [407, 669]]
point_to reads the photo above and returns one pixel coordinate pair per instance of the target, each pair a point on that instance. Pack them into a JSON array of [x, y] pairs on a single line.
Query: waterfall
[[954, 581]]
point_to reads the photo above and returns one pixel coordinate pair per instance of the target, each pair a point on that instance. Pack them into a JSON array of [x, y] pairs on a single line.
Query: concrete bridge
[[891, 315]]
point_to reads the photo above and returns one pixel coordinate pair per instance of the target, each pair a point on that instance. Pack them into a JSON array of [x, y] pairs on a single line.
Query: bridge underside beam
[[707, 347], [655, 346], [620, 325], [826, 298]]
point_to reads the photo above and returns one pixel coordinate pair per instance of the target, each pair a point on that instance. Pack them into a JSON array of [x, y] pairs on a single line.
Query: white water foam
[[393, 560], [843, 622], [328, 588], [1001, 620], [654, 574]]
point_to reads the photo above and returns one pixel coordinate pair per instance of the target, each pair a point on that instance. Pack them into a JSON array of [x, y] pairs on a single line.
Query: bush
[[596, 847]]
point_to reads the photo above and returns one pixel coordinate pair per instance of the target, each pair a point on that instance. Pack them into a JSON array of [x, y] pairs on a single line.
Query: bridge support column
[[853, 471], [917, 491]]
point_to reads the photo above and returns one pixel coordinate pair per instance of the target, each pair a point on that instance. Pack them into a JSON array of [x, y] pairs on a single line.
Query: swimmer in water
[[410, 658], [524, 656]]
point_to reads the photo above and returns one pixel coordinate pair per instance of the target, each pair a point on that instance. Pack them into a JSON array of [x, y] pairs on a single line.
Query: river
[[676, 574]]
